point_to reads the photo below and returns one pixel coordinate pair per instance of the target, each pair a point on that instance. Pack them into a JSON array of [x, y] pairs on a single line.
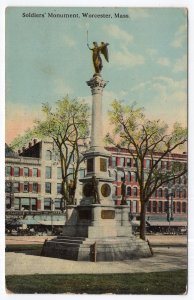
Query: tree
[[67, 125], [68, 128], [145, 138]]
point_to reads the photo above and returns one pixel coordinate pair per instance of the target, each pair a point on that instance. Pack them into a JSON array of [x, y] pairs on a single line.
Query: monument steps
[[89, 249]]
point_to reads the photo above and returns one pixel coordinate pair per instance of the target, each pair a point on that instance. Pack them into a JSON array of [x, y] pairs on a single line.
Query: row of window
[[117, 161], [163, 207], [31, 204], [25, 187], [132, 177], [22, 203], [25, 171], [160, 193]]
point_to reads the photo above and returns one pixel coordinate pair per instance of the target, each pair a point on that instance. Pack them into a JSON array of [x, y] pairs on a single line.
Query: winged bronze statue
[[97, 60]]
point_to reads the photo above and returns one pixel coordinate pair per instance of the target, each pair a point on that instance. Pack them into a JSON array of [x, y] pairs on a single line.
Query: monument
[[96, 229]]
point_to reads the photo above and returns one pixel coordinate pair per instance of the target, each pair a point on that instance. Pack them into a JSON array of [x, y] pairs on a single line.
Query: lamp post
[[52, 206], [169, 197]]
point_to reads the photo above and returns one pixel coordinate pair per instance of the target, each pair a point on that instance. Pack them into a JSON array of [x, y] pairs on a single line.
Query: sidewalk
[[155, 240], [163, 260]]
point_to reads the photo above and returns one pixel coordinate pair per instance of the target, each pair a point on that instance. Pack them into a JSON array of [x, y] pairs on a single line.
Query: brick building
[[33, 185]]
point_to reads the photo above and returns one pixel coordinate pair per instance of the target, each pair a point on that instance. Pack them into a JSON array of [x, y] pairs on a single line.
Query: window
[[128, 191], [57, 204], [81, 173], [7, 171], [135, 162], [129, 176], [17, 203], [47, 204], [16, 171], [164, 164], [48, 155], [166, 193], [35, 187], [26, 172], [113, 161], [48, 187], [122, 161], [8, 203], [174, 207], [25, 203], [160, 193], [166, 206], [59, 173], [135, 192], [16, 187], [184, 194], [134, 175], [148, 163], [134, 206], [35, 172], [8, 187], [59, 188], [178, 207], [160, 206], [48, 172], [26, 187], [178, 193], [184, 207], [33, 203], [149, 206], [154, 206], [129, 162]]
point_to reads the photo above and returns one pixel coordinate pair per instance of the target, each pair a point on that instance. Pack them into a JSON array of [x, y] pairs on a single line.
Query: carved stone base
[[97, 230]]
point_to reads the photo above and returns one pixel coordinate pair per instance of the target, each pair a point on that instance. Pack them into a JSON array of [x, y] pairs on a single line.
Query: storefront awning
[[172, 223]]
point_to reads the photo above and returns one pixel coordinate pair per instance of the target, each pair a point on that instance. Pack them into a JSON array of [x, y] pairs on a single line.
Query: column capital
[[96, 84]]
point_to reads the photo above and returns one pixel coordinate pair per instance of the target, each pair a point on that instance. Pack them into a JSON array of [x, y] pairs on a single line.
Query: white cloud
[[180, 36], [124, 58], [163, 61], [166, 98], [118, 33], [180, 64]]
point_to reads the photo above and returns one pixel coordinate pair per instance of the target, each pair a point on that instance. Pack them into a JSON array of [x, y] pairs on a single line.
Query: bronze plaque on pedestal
[[103, 165], [105, 190], [107, 214]]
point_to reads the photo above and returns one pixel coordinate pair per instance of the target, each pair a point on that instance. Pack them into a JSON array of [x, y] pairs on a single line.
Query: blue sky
[[47, 58]]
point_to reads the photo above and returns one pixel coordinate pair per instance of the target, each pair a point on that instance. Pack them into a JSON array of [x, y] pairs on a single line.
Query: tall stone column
[[97, 85]]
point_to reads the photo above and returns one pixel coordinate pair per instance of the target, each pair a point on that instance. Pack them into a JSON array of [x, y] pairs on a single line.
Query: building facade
[[33, 185]]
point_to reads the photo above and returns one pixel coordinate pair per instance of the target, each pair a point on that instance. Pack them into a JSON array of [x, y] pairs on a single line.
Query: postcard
[[96, 163]]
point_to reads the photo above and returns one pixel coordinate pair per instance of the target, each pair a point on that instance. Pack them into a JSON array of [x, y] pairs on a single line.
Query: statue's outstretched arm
[[89, 47]]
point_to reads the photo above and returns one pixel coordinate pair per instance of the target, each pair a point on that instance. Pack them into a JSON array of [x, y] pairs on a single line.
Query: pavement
[[170, 253]]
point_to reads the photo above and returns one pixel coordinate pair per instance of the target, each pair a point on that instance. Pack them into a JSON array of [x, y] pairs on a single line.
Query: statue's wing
[[104, 50]]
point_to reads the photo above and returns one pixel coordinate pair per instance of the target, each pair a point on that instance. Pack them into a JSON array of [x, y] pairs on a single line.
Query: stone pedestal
[[97, 233], [96, 229]]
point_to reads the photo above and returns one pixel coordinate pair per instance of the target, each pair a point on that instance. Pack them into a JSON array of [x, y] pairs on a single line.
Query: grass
[[156, 283]]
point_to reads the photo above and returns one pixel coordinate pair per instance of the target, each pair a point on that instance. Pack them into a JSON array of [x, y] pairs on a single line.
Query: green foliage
[[23, 140], [157, 283], [145, 139]]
